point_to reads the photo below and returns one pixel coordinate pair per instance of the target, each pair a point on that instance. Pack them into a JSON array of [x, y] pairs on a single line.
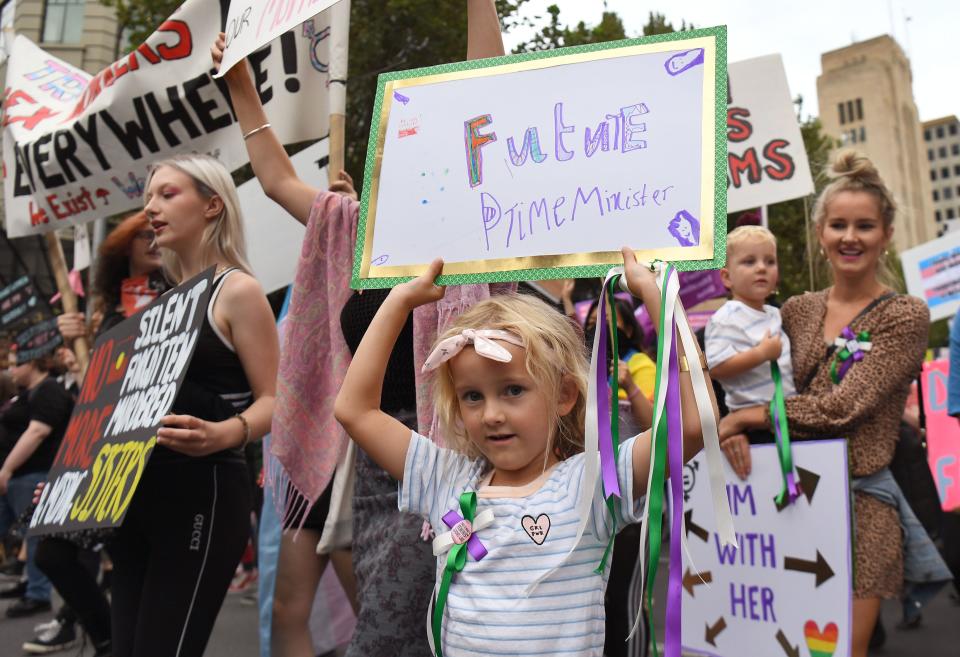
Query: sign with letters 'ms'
[[943, 434], [767, 162], [787, 590], [544, 165], [76, 147], [135, 372]]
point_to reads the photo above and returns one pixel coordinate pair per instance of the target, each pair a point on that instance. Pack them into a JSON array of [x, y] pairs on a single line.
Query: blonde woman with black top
[[188, 524]]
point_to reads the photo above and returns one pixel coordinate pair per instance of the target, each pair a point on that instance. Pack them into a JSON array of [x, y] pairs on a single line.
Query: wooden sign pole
[[59, 265]]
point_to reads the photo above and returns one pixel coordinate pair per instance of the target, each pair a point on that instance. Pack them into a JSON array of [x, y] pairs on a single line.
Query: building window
[[955, 149], [945, 172], [859, 110], [933, 174], [939, 132], [936, 196], [63, 21], [956, 169], [863, 134], [930, 154], [927, 135], [942, 151], [951, 214], [850, 113], [953, 129], [947, 193], [843, 114], [939, 216]]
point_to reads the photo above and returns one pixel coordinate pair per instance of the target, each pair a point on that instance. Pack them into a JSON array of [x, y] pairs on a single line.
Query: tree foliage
[[138, 19]]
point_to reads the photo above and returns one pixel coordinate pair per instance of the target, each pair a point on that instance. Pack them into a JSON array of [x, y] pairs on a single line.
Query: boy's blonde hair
[[744, 234], [554, 349]]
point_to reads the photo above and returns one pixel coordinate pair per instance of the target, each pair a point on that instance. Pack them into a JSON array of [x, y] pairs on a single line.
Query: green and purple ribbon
[[851, 349], [778, 415], [668, 440], [456, 559]]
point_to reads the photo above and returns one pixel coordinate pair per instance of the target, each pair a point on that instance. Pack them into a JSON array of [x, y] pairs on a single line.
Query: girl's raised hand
[[343, 185], [640, 279], [422, 289]]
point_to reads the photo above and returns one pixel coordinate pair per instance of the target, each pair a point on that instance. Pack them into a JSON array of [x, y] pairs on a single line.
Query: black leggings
[[73, 572], [175, 555]]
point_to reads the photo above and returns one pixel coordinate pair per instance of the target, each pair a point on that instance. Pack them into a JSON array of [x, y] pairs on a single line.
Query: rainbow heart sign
[[821, 644]]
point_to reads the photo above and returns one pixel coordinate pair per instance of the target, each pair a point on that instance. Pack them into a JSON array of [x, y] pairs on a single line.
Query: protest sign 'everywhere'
[[543, 165], [135, 373], [77, 147], [943, 434], [789, 584]]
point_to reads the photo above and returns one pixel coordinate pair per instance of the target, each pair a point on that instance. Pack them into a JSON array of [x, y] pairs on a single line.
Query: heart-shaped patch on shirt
[[536, 528]]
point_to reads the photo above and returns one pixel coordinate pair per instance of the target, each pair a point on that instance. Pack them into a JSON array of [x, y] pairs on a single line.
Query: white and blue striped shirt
[[488, 611], [735, 328]]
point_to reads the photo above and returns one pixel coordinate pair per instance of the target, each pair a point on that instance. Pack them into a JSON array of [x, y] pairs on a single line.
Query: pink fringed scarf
[[307, 442]]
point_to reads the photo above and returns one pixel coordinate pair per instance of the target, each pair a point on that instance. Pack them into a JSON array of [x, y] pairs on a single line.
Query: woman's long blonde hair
[[852, 171], [222, 238], [554, 350]]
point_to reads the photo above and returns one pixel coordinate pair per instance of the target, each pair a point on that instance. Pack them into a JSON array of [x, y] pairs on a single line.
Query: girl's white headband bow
[[483, 341]]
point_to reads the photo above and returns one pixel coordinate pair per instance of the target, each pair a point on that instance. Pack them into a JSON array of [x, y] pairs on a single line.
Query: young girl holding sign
[[512, 381], [189, 521]]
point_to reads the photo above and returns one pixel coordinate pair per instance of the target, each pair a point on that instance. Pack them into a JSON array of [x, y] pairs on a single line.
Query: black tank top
[[399, 383], [215, 387]]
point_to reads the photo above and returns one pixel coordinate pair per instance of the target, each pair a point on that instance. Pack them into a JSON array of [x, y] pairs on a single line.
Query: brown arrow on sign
[[819, 568], [792, 651], [697, 530], [712, 632], [694, 579], [808, 486]]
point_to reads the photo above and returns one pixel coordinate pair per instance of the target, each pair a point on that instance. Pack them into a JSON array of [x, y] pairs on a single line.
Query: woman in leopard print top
[[854, 224]]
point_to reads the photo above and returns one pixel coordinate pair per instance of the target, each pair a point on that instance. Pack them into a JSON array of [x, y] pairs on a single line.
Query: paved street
[[236, 632]]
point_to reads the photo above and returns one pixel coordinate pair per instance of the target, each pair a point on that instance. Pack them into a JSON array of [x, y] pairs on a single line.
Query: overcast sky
[[801, 31]]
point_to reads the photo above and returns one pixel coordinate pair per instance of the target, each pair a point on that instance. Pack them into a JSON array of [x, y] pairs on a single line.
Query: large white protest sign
[[544, 165], [767, 162], [787, 590], [77, 147], [274, 238], [255, 23], [932, 273]]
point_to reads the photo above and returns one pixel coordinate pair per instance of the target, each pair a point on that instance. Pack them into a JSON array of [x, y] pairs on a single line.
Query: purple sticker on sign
[[683, 61], [400, 98], [685, 228]]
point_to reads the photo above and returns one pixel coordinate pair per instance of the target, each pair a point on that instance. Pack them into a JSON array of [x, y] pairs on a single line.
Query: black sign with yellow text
[[135, 373]]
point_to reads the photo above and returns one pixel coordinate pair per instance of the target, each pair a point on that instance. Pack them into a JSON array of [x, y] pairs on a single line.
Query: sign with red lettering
[[766, 160], [135, 373], [787, 588], [76, 147]]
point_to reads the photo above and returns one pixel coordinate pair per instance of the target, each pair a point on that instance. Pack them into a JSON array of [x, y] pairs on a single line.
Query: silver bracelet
[[255, 131]]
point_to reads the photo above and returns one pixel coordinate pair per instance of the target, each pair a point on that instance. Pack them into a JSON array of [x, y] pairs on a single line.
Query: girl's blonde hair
[[852, 171], [554, 350], [222, 239]]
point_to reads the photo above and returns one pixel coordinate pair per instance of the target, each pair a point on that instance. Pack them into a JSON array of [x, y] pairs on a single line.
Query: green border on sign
[[586, 271]]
